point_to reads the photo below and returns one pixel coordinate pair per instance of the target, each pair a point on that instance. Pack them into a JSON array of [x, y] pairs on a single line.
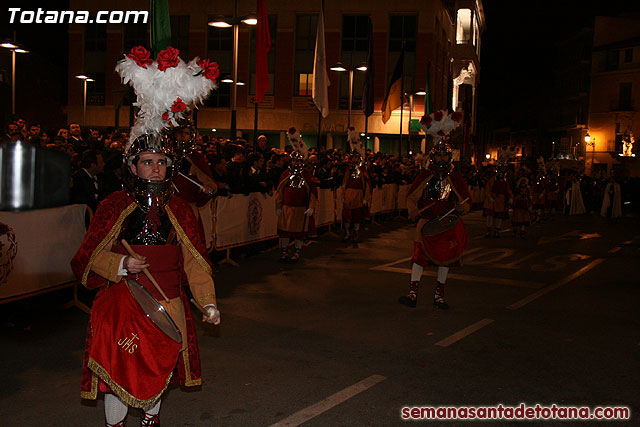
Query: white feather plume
[[156, 92]]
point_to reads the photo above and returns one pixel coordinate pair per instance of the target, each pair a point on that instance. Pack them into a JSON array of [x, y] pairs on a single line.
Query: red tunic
[[355, 191], [293, 202], [106, 224]]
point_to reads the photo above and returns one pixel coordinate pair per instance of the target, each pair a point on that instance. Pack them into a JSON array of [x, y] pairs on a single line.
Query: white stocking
[[298, 243], [356, 226], [284, 242], [114, 409], [498, 223], [442, 274], [416, 272], [154, 409]]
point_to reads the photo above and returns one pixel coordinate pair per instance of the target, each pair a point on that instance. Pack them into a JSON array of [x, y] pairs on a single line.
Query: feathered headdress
[[354, 140], [440, 123], [164, 88], [296, 141]]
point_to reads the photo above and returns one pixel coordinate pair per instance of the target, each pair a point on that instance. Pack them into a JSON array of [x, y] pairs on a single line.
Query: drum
[[154, 311], [134, 344], [437, 226]]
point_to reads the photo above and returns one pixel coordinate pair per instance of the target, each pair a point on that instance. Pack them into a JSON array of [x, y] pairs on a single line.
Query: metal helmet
[[184, 138], [146, 191], [444, 155]]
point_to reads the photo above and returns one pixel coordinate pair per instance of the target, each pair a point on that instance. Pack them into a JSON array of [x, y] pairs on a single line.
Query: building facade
[[439, 43], [614, 119]]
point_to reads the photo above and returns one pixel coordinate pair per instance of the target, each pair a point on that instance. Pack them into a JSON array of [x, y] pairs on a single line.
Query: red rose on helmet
[[178, 106], [425, 120], [292, 130], [456, 117], [437, 116], [165, 116], [140, 55], [209, 69], [168, 58], [440, 133]]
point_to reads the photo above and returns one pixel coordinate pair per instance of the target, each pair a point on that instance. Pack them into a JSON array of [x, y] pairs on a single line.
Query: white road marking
[[543, 291], [463, 333], [312, 411]]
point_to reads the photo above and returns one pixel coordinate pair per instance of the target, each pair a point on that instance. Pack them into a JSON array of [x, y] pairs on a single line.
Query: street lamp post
[[591, 142], [14, 48], [85, 79], [235, 21], [340, 67], [411, 95]]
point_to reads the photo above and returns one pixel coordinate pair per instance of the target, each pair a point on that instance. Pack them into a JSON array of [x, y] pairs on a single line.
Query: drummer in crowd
[[437, 197], [163, 230]]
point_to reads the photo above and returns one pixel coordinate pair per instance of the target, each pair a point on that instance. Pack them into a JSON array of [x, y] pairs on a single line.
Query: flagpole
[[255, 124], [366, 131], [401, 102], [319, 129]]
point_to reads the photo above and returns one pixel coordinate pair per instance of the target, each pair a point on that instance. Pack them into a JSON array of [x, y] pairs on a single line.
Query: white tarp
[[326, 210], [36, 248], [403, 190]]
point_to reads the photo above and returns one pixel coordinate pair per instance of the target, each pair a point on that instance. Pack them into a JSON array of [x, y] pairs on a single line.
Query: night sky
[[518, 53]]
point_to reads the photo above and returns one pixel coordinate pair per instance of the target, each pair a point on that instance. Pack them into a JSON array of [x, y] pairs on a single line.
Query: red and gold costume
[[293, 200], [446, 248], [356, 193], [96, 265], [497, 197], [197, 169]]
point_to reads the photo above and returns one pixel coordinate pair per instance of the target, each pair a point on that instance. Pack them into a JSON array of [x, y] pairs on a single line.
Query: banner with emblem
[[36, 248], [243, 219]]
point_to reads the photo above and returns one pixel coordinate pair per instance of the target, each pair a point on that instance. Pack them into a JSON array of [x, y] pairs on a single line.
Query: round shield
[[437, 225], [154, 311]]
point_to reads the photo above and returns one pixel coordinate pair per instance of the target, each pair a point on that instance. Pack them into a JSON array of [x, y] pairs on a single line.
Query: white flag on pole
[[321, 81]]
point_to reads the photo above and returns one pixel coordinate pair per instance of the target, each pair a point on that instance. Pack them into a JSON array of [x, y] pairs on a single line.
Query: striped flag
[[394, 97], [321, 83]]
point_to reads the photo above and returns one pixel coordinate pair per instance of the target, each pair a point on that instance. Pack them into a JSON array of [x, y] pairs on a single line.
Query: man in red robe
[[437, 198], [164, 231]]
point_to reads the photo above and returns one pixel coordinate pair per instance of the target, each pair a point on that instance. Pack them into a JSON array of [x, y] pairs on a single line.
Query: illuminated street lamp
[[85, 79], [591, 142], [340, 67], [14, 48], [226, 22]]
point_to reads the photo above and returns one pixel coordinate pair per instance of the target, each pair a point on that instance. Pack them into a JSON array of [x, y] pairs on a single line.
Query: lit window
[[306, 83], [463, 27]]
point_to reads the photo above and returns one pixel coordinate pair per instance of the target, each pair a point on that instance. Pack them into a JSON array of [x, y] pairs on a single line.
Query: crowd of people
[[239, 167]]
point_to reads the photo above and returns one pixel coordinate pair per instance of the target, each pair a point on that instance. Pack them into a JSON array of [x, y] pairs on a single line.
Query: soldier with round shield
[[437, 198]]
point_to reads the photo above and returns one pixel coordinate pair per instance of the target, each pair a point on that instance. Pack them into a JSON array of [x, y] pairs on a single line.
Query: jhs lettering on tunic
[[127, 344]]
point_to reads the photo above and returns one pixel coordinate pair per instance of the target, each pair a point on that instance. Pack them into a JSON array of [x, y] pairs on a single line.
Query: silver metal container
[[17, 176]]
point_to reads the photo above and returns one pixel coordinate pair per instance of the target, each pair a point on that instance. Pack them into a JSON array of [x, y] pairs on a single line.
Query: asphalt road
[[549, 319]]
